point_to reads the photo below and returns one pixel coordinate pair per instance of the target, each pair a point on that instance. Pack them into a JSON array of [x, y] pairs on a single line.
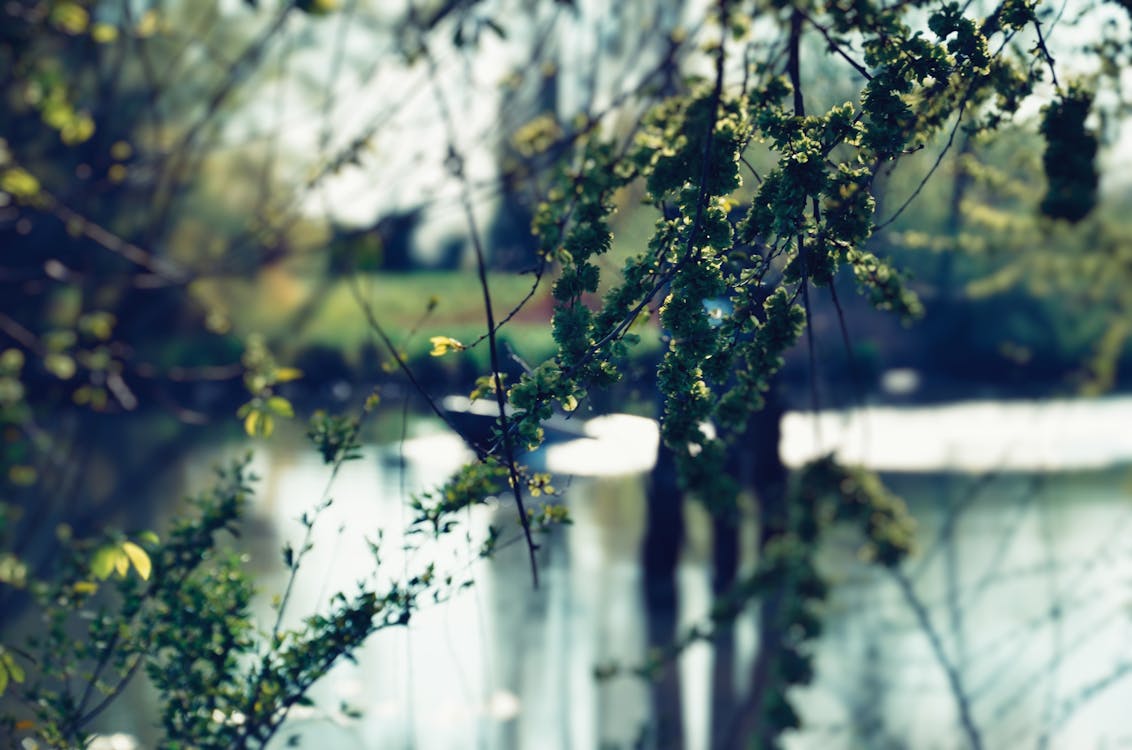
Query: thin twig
[[456, 162], [391, 347], [165, 272], [539, 271], [172, 180], [794, 69], [834, 46], [754, 171], [1046, 54], [954, 679], [923, 182]]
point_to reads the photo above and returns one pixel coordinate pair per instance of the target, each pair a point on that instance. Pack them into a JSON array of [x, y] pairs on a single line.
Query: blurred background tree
[[123, 191]]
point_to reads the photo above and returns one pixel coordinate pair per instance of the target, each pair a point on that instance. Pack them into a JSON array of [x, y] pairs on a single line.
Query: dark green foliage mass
[[1069, 158]]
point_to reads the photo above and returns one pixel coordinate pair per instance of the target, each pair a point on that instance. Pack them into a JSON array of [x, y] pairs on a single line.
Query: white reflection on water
[[617, 445], [1049, 435], [968, 436], [1022, 577]]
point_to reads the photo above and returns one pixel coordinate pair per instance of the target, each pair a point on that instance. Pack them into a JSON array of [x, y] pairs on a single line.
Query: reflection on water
[[1017, 604], [1013, 617], [499, 665], [1049, 435]]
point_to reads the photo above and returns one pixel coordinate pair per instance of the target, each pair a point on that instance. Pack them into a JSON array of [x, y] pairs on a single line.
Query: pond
[[1009, 627]]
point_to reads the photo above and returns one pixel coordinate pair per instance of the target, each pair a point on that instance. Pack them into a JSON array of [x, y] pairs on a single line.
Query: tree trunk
[[664, 536], [768, 477]]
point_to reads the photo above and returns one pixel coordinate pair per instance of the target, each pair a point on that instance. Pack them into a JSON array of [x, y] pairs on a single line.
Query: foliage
[[730, 270], [1069, 159], [1040, 297], [224, 682], [762, 252], [810, 214]]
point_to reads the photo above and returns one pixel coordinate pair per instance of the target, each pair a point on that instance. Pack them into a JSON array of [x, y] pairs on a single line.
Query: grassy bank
[[301, 314]]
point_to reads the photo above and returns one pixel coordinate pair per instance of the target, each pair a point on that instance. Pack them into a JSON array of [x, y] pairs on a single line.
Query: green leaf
[[105, 558], [59, 365], [70, 17], [14, 670], [281, 406]]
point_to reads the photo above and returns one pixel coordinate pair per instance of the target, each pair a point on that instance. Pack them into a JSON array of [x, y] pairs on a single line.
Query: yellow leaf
[[441, 345], [147, 25], [139, 558], [12, 571], [104, 33], [121, 563], [11, 360], [22, 476], [78, 128], [70, 17], [287, 374], [85, 587], [251, 423], [20, 183], [59, 365], [121, 150], [317, 7]]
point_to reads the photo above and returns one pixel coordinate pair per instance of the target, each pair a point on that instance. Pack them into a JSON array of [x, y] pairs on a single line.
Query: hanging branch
[[456, 164]]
